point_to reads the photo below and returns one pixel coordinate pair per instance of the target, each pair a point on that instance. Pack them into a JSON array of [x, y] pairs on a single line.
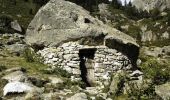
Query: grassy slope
[[19, 11], [32, 68]]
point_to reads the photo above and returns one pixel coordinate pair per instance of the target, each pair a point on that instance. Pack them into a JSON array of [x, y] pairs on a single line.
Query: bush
[[134, 31], [28, 55], [2, 84], [143, 92], [6, 19], [155, 13], [168, 18], [2, 67], [62, 72], [159, 73], [68, 84], [58, 71], [31, 56]]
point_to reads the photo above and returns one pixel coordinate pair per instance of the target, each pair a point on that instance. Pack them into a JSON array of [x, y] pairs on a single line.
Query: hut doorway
[[87, 65]]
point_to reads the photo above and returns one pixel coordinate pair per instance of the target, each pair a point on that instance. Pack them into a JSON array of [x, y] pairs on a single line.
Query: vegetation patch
[[158, 72], [58, 71], [31, 67]]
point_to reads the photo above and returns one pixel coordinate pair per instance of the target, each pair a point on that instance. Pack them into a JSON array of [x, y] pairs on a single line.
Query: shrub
[[155, 14], [6, 19], [159, 73], [168, 18], [2, 67], [134, 31], [62, 72], [142, 92], [70, 83], [30, 55], [58, 71], [2, 84]]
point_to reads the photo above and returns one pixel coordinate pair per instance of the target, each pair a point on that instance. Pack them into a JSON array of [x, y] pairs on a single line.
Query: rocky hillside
[[151, 4], [84, 50], [21, 10]]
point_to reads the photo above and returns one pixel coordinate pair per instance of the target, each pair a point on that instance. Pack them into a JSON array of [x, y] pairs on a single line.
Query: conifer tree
[[169, 18], [116, 4]]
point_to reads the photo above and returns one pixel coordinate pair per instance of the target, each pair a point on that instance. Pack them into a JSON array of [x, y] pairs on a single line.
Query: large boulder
[[163, 52], [151, 4], [15, 76], [17, 87], [60, 21]]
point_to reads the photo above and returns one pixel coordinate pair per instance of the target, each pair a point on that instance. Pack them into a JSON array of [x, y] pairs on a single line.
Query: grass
[[58, 71], [155, 69], [31, 67], [19, 11]]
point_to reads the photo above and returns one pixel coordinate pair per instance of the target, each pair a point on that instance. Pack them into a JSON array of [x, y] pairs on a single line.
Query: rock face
[[157, 51], [151, 4], [148, 36]]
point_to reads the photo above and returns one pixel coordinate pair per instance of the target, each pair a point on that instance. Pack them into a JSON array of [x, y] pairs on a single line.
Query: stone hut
[[67, 36]]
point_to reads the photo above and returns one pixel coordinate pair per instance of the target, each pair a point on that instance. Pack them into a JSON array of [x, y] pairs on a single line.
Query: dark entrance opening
[[86, 65]]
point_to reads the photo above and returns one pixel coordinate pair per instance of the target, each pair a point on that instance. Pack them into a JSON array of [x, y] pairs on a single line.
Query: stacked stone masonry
[[106, 60]]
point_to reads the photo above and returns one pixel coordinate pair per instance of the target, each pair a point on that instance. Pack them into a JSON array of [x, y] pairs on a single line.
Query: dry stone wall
[[106, 60]]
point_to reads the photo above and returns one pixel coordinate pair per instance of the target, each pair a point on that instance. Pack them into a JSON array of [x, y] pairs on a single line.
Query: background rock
[[78, 96], [163, 91], [151, 4]]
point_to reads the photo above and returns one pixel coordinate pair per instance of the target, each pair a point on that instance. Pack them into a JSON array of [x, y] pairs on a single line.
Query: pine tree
[[90, 5], [155, 13], [116, 4], [169, 18], [125, 3]]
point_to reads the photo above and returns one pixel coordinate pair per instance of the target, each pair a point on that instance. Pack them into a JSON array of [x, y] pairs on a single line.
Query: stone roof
[[60, 21]]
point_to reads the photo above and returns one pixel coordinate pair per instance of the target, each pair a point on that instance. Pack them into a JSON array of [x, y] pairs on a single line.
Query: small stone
[[17, 87], [91, 90], [15, 25], [55, 80], [78, 96], [15, 76], [136, 73], [76, 71]]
